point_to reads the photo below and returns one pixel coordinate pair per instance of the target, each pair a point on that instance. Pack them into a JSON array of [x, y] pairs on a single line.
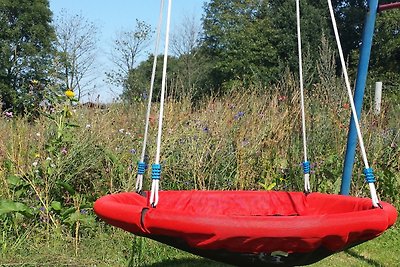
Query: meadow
[[54, 167]]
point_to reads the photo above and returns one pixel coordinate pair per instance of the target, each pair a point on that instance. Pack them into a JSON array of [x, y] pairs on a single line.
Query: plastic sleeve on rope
[[155, 171], [306, 167], [141, 167], [369, 175]]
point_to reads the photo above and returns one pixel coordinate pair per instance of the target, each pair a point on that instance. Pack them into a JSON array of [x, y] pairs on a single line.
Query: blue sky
[[115, 16]]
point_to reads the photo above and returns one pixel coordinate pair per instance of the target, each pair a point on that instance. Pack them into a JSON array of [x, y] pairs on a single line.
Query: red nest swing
[[250, 228]]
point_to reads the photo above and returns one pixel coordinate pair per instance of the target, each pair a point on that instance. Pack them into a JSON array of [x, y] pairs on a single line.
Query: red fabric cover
[[251, 221]]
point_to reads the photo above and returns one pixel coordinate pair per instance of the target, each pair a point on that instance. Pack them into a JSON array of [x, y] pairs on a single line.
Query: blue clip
[[369, 175], [142, 166], [155, 171], [306, 167]]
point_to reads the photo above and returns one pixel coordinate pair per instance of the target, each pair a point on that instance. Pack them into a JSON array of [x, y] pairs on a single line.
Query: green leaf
[[14, 180], [72, 125], [67, 187], [50, 171], [56, 205], [271, 186], [67, 212], [9, 206]]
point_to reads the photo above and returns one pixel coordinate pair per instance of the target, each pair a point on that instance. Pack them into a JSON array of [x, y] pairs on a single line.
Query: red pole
[[388, 6]]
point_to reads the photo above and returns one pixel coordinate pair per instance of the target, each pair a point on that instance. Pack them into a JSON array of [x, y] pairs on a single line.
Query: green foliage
[[137, 84], [386, 49], [239, 37], [26, 45]]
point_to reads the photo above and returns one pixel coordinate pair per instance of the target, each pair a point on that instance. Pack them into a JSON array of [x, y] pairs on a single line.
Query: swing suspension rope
[[156, 167], [370, 179], [142, 164], [306, 163]]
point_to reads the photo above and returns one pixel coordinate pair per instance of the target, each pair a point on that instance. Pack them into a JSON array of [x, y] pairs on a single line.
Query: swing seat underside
[[250, 228]]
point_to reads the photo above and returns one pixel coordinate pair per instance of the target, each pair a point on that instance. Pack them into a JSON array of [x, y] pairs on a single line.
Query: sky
[[115, 16]]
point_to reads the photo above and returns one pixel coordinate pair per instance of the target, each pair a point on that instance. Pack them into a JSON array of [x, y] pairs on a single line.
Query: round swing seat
[[250, 228]]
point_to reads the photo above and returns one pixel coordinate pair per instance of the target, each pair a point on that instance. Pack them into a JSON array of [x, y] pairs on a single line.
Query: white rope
[[303, 116], [155, 183], [374, 196], [139, 179]]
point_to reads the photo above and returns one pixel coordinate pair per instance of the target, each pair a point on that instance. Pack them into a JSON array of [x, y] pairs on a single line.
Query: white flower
[[37, 134], [121, 130], [35, 163], [88, 126], [48, 158]]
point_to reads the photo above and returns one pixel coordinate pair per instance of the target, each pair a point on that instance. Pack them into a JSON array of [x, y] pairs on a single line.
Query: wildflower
[[205, 129], [245, 142], [37, 155], [64, 151], [121, 130], [35, 163], [35, 82], [84, 212], [8, 114], [282, 98], [88, 126], [48, 158], [239, 115], [69, 93], [152, 119], [38, 134], [133, 151], [346, 106]]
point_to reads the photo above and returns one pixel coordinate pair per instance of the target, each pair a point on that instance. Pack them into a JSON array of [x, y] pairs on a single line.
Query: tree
[[256, 40], [137, 84], [314, 25], [127, 50], [76, 45], [239, 37], [385, 56], [185, 46], [26, 45]]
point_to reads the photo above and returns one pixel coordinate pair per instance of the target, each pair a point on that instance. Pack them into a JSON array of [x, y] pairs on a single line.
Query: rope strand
[[155, 182], [139, 179], [374, 196], [303, 116]]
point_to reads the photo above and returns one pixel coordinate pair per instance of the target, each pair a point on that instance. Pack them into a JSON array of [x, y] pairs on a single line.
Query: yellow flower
[[69, 93], [35, 82]]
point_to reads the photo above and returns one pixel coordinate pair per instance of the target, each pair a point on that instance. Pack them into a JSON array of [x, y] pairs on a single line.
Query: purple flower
[[8, 114], [205, 129], [84, 212], [313, 165], [239, 115], [133, 151]]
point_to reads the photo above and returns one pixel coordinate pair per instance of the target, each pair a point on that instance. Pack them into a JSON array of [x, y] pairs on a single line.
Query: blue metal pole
[[362, 73]]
